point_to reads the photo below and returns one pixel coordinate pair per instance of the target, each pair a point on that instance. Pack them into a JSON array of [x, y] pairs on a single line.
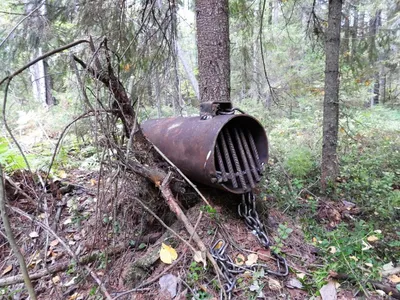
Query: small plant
[[211, 211], [283, 234]]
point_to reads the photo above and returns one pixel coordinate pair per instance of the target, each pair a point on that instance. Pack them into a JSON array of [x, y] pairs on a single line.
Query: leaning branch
[[11, 240]]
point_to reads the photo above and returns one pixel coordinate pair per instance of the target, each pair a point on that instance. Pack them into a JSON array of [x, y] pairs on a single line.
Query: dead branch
[[62, 266], [99, 283], [11, 239]]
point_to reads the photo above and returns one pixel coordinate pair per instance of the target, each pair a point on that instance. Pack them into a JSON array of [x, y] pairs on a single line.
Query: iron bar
[[244, 159], [254, 149], [249, 155], [235, 158], [228, 161], [221, 163]]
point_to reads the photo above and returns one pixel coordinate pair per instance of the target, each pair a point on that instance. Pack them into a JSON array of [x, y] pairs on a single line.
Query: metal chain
[[246, 210]]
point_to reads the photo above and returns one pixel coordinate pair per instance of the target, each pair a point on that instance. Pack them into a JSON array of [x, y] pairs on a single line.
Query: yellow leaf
[[372, 238], [93, 182], [7, 270], [239, 260], [74, 296], [62, 174], [56, 279], [54, 243], [394, 278], [251, 259], [353, 258], [167, 254]]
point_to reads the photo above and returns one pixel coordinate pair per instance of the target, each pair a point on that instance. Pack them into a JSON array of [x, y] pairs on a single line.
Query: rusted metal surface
[[226, 151]]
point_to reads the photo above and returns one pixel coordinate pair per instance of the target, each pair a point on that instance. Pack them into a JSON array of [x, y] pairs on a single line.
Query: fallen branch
[[11, 239], [99, 283], [62, 266]]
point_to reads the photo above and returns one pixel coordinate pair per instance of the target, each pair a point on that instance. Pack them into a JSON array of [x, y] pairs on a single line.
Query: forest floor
[[110, 236]]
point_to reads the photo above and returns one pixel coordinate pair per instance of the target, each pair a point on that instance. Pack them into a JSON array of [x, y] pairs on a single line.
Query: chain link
[[246, 210]]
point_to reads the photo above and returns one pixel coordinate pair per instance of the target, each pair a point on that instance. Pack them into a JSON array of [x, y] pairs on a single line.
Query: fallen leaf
[[300, 275], [254, 286], [366, 246], [378, 231], [294, 283], [169, 282], [274, 285], [74, 296], [56, 279], [369, 265], [394, 278], [353, 258], [200, 257], [67, 221], [7, 270], [34, 234], [251, 259], [54, 243], [93, 182], [167, 254], [380, 293], [239, 260], [332, 249], [328, 291], [372, 238]]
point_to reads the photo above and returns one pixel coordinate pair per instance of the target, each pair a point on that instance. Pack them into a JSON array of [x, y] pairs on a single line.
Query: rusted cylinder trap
[[225, 151]]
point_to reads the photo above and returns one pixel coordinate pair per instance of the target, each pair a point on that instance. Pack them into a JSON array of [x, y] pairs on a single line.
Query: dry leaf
[[93, 182], [54, 243], [239, 260], [366, 246], [300, 275], [274, 284], [34, 234], [169, 283], [372, 238], [74, 296], [56, 279], [251, 259], [7, 270], [353, 258], [394, 278], [332, 249], [67, 221], [378, 231], [167, 254], [369, 265], [328, 291]]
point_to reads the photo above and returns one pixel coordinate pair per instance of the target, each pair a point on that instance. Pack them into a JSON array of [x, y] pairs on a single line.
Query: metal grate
[[238, 164]]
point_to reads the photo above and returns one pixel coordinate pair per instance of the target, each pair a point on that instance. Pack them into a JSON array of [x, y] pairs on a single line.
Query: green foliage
[[283, 234], [10, 158], [299, 162], [346, 250]]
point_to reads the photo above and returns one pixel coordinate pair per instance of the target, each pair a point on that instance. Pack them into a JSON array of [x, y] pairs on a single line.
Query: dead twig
[[99, 283], [11, 239], [183, 175], [62, 266]]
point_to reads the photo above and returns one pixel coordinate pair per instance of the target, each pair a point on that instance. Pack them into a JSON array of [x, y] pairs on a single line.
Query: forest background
[[277, 75]]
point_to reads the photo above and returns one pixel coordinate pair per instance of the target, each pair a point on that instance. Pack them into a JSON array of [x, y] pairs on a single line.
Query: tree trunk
[[329, 166], [346, 28], [354, 32], [212, 17], [41, 81]]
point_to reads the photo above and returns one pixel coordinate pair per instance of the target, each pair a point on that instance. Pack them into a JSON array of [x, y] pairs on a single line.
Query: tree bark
[[329, 166], [212, 17]]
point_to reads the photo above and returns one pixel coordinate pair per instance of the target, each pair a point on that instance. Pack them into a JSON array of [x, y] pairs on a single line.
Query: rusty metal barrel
[[226, 151]]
